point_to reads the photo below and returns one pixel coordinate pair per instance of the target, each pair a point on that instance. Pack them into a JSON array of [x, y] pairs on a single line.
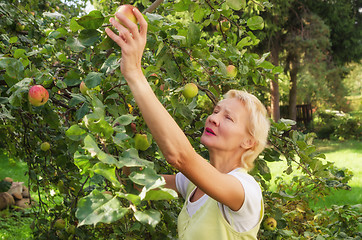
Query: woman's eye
[[228, 117]]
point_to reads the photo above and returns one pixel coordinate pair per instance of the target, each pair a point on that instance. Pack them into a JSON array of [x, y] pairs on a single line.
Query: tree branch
[[153, 6]]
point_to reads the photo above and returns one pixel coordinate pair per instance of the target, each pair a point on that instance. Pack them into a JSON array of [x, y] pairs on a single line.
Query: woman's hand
[[132, 42]]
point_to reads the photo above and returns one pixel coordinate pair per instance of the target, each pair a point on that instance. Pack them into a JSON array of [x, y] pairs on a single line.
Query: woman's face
[[226, 128]]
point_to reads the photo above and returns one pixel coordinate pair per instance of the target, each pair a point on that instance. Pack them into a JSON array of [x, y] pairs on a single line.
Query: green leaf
[[93, 79], [72, 77], [193, 34], [74, 26], [83, 162], [18, 53], [130, 158], [148, 178], [124, 119], [93, 20], [51, 117], [151, 217], [74, 44], [108, 172], [13, 40], [135, 199], [14, 68], [110, 64], [161, 194], [98, 207], [255, 23], [236, 4], [89, 37], [182, 6], [75, 133], [91, 146]]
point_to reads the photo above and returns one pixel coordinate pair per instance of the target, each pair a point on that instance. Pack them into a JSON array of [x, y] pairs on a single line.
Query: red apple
[[190, 90], [38, 95], [231, 71], [127, 10]]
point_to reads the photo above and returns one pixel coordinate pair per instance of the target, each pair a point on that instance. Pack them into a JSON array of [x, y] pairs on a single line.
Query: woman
[[222, 200]]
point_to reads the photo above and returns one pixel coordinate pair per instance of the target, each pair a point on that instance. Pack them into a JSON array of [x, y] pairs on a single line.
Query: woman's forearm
[[168, 135]]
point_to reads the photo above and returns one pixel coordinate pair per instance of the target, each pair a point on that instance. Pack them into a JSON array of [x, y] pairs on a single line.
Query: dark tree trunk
[[274, 84]]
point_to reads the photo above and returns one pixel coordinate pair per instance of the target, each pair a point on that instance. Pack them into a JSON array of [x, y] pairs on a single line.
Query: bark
[[274, 84], [294, 68]]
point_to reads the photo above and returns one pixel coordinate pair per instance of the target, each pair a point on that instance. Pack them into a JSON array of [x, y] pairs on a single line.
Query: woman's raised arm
[[173, 143]]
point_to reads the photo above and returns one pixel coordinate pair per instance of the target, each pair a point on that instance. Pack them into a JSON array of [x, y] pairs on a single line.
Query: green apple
[[141, 142], [59, 224], [231, 71], [225, 25], [70, 229], [83, 88], [38, 95], [127, 10], [19, 27], [190, 90], [270, 224], [45, 146]]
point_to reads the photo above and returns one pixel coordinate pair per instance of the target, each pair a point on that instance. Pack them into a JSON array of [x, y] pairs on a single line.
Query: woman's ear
[[248, 142]]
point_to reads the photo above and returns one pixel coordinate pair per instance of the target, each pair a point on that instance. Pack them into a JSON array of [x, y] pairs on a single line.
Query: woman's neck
[[225, 162]]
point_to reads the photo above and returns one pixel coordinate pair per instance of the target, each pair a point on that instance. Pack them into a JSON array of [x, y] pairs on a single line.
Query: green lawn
[[346, 154], [14, 225]]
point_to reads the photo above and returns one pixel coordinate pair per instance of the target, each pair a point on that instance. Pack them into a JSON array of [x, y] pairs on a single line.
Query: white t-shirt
[[242, 220]]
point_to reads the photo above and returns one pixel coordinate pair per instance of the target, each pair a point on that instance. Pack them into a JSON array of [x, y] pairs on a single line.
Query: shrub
[[337, 125]]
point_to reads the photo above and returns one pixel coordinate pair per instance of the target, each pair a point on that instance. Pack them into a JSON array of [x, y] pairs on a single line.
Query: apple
[[190, 90], [19, 27], [59, 224], [70, 229], [38, 95], [225, 25], [83, 88], [141, 142], [231, 71], [45, 146], [127, 10], [270, 224]]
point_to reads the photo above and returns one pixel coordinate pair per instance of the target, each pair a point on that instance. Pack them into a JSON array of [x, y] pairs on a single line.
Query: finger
[[114, 37], [142, 21]]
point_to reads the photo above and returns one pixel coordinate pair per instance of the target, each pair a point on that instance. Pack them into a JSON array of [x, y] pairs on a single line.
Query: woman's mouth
[[209, 131]]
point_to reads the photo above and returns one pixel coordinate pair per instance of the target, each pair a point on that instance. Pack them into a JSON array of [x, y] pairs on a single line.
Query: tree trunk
[[293, 88], [274, 84]]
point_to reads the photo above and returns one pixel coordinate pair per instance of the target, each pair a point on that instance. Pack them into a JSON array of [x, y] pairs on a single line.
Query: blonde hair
[[258, 126]]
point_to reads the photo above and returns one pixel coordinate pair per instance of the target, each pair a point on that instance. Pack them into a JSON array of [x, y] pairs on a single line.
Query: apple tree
[[93, 166]]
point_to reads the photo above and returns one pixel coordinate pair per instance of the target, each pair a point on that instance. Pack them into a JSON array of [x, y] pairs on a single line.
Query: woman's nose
[[213, 118]]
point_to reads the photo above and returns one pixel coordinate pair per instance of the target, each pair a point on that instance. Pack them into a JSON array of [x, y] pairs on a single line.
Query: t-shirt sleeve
[[249, 214], [181, 184]]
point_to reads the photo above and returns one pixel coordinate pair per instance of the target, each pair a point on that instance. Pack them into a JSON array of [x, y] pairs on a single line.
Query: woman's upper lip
[[209, 130]]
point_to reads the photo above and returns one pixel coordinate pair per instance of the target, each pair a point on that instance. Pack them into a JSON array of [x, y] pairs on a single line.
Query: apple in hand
[[270, 224], [126, 10], [190, 90], [141, 142], [38, 95], [231, 71], [45, 146]]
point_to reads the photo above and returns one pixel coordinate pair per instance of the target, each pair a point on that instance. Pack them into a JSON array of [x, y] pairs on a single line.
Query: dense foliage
[[93, 176]]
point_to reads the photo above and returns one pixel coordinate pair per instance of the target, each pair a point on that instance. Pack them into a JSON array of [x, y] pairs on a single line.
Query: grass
[[14, 225], [346, 154]]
